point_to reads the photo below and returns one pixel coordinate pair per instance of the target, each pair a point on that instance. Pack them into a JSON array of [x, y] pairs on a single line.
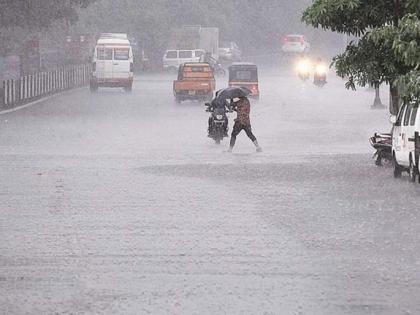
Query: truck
[[195, 82], [196, 37]]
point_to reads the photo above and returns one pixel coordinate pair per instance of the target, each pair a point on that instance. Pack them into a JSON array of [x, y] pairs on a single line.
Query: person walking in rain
[[243, 122]]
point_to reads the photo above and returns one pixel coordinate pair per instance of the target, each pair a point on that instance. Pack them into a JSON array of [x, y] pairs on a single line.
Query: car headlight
[[219, 117]]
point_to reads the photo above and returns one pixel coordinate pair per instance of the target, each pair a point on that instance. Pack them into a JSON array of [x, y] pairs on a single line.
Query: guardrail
[[35, 86]]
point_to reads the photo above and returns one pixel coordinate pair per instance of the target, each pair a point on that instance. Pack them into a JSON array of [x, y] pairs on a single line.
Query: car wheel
[[397, 169], [412, 171]]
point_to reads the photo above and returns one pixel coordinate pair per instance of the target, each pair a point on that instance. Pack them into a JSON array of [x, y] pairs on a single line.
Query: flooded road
[[119, 203]]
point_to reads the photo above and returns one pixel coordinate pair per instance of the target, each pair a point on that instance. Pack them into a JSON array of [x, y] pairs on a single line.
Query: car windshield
[[121, 53], [294, 39], [185, 54], [104, 53], [243, 74], [199, 53], [172, 54]]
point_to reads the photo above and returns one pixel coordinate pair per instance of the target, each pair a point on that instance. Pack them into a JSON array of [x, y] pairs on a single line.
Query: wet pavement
[[116, 203]]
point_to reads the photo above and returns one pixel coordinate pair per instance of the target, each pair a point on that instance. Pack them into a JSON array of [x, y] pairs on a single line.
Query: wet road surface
[[118, 203]]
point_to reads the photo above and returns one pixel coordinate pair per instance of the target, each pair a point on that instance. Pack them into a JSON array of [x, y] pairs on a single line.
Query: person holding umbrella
[[243, 108], [243, 122]]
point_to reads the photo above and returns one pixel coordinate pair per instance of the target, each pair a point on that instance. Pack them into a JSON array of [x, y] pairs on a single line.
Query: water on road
[[119, 203]]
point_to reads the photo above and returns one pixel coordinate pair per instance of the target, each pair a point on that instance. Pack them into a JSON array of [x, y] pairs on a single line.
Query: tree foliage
[[38, 14], [404, 41], [375, 58]]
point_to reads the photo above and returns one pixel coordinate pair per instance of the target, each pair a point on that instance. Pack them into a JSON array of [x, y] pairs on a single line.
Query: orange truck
[[195, 82]]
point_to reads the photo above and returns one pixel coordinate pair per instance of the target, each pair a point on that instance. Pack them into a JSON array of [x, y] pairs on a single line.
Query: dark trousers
[[237, 128]]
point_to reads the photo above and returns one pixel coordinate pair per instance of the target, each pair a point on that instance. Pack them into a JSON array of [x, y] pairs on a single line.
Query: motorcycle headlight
[[304, 66], [219, 117], [321, 69]]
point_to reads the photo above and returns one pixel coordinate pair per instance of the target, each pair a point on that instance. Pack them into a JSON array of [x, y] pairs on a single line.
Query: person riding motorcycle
[[303, 66], [221, 104], [320, 74]]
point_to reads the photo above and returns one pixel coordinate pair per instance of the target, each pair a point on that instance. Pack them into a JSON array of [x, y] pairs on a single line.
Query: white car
[[112, 63], [295, 44], [174, 58], [230, 51], [406, 141]]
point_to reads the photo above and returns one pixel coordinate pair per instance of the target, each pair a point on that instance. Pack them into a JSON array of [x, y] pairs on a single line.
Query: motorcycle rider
[[320, 75], [243, 122], [218, 103]]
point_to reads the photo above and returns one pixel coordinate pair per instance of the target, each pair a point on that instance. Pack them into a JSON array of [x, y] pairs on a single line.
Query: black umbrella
[[233, 92]]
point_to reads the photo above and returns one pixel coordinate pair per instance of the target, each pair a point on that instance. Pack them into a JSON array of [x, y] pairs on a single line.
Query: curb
[[30, 104]]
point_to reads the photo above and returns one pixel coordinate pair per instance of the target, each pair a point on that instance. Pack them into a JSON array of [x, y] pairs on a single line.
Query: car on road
[[195, 82], [112, 63], [229, 51], [406, 140], [173, 59], [295, 44]]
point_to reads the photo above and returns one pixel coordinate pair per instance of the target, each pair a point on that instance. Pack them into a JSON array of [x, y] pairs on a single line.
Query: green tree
[[38, 14], [405, 42], [367, 61]]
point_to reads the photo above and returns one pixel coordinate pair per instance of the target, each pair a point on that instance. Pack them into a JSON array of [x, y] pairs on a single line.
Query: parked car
[[174, 58], [195, 82], [230, 51], [112, 63], [405, 140], [295, 44]]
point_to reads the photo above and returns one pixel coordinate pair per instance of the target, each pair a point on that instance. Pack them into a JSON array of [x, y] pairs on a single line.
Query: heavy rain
[[209, 157]]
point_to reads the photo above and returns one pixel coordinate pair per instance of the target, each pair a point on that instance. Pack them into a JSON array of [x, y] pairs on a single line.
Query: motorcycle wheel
[[378, 161]]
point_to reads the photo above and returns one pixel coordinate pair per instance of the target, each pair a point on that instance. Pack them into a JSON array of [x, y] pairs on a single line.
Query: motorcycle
[[382, 143], [320, 75], [218, 123], [303, 69]]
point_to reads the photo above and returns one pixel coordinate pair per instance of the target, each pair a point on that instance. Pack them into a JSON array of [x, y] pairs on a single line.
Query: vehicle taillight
[[285, 39], [302, 40]]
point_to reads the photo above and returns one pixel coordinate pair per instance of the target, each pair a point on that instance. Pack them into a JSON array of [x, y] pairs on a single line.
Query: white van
[[112, 63], [174, 58], [405, 141]]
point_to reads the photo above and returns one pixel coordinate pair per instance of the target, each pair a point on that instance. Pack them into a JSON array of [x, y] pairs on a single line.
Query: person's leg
[[251, 136], [237, 127], [249, 133]]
